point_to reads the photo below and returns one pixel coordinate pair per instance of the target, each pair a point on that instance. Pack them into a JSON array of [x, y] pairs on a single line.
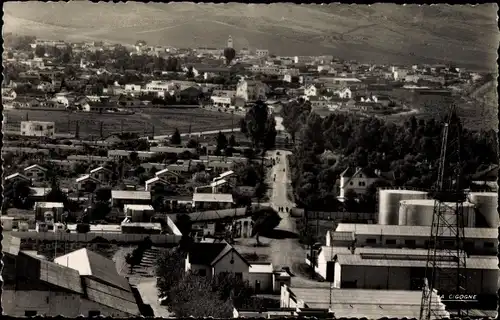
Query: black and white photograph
[[245, 160]]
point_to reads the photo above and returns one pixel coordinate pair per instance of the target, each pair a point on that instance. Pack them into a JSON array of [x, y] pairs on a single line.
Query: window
[[410, 243], [448, 243], [29, 313], [488, 244], [238, 275], [351, 183], [202, 272], [390, 241], [29, 174], [94, 313], [371, 241]]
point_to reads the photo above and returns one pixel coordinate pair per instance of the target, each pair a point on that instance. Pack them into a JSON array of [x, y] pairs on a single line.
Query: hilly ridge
[[381, 33]]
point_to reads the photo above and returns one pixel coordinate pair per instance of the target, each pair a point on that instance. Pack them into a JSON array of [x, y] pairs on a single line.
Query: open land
[[164, 121], [381, 32]]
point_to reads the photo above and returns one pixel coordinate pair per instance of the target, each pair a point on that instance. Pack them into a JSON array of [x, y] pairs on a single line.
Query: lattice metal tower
[[445, 270]]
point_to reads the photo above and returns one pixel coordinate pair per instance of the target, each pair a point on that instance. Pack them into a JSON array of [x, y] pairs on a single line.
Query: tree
[[265, 220], [190, 73], [232, 141], [192, 144], [229, 54], [103, 194], [55, 194], [183, 223], [176, 137], [40, 51], [221, 141]]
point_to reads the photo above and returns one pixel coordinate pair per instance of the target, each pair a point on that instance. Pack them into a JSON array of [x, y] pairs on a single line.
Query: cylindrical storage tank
[[416, 212], [7, 223], [468, 212], [486, 209], [420, 213], [388, 206]]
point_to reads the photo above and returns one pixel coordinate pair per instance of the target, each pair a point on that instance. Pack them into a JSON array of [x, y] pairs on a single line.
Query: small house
[[36, 173]]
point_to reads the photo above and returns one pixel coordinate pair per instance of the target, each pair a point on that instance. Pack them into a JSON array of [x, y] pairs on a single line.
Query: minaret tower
[[230, 42]]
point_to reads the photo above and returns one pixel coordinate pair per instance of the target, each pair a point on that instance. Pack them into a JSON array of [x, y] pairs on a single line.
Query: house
[[344, 93], [356, 179], [223, 98], [17, 177], [38, 128], [55, 208], [359, 303], [212, 200], [311, 91], [8, 94], [251, 90], [397, 269], [101, 174], [23, 102], [87, 183], [168, 175], [261, 276], [210, 259], [138, 212], [36, 173], [220, 186], [122, 197], [155, 183]]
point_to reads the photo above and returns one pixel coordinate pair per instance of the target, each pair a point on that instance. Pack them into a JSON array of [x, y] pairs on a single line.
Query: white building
[[311, 91], [397, 269], [36, 173], [250, 90], [210, 259], [261, 53], [37, 128], [356, 179], [344, 93]]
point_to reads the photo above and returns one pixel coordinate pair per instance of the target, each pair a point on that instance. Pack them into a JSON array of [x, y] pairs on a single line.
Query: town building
[[251, 90], [79, 283], [37, 128], [210, 259]]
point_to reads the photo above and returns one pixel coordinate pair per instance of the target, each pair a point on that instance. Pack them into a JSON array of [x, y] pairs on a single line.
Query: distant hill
[[381, 33]]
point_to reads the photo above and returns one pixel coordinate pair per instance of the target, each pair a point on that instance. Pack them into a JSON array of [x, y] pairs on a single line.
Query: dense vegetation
[[188, 294], [410, 152]]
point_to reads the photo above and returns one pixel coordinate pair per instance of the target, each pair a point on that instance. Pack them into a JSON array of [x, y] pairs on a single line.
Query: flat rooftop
[[410, 231]]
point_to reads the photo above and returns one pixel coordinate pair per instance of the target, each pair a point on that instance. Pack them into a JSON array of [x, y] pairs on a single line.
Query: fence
[[336, 216], [158, 239]]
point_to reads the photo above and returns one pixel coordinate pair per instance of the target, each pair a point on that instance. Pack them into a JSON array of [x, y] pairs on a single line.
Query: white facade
[[262, 53], [36, 173], [37, 128], [251, 90], [359, 182], [311, 91], [345, 93]]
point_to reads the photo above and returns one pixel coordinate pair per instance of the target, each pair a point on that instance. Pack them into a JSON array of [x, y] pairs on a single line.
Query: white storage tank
[[7, 223], [388, 206], [420, 213], [486, 209]]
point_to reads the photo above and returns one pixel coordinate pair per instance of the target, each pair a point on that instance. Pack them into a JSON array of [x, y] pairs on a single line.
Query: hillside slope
[[380, 33]]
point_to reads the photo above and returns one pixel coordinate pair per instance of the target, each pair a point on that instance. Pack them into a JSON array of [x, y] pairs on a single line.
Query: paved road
[[286, 252]]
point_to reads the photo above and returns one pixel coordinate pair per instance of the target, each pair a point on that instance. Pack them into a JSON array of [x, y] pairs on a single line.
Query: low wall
[[88, 237]]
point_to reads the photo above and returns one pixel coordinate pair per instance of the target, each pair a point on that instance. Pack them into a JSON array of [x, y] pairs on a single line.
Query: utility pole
[[446, 271], [101, 130]]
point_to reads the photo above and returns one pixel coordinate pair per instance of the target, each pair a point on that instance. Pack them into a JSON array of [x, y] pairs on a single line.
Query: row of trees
[[410, 151]]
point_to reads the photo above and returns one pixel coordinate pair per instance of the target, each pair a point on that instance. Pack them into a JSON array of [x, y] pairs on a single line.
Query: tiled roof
[[123, 194], [205, 253], [112, 297]]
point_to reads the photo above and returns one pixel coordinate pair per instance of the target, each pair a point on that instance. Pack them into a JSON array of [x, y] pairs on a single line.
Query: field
[[164, 121], [474, 114]]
